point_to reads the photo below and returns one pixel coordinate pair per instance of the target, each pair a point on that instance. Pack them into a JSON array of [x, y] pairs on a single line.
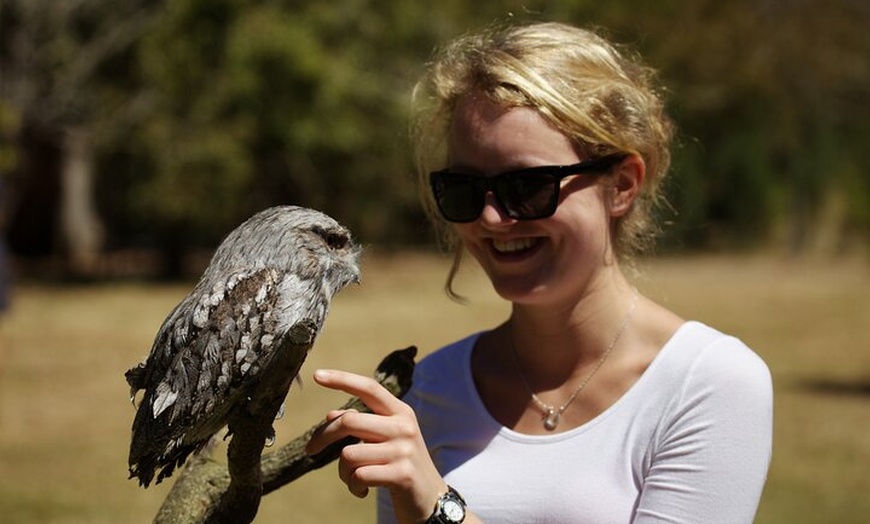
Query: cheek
[[585, 196], [583, 225], [471, 240]]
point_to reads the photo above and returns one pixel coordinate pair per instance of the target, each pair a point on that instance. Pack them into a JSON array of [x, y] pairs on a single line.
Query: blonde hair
[[603, 100]]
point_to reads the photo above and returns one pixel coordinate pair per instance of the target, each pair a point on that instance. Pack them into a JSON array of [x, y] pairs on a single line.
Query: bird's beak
[[357, 266], [357, 278]]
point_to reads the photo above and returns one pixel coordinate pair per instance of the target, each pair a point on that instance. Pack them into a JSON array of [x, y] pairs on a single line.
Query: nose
[[492, 214]]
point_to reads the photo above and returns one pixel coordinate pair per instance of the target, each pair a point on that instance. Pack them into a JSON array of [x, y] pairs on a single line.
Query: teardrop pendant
[[552, 417]]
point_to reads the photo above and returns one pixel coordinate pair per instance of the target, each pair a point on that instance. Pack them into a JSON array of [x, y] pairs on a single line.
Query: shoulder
[[715, 358], [696, 348], [715, 376]]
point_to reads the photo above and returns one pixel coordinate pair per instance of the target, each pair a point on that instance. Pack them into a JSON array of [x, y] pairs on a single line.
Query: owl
[[281, 266]]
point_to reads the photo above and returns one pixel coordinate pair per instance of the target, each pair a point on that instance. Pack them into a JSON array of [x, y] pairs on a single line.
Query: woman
[[590, 403]]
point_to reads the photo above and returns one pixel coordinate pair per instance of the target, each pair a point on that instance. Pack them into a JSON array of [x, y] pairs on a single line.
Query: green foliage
[[769, 102], [8, 125], [228, 106]]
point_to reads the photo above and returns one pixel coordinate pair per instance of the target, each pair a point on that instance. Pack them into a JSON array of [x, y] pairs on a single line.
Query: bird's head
[[305, 242]]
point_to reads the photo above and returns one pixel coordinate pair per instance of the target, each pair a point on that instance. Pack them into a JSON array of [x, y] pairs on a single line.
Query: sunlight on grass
[[65, 416]]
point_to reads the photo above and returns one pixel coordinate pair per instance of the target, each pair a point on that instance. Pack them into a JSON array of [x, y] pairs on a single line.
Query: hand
[[391, 452]]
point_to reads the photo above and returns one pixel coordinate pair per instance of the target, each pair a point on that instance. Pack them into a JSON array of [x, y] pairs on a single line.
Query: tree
[[61, 65], [771, 101], [193, 114], [294, 102]]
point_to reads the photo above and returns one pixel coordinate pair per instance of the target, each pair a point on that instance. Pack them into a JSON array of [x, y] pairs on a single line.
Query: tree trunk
[[81, 229]]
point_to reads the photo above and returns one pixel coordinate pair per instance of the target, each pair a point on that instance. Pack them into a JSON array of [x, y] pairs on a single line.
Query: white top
[[689, 442]]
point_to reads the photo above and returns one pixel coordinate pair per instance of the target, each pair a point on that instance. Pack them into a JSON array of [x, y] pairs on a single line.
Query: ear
[[628, 178]]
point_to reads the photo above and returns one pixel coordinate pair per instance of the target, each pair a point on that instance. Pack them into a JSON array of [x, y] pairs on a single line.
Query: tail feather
[[145, 467]]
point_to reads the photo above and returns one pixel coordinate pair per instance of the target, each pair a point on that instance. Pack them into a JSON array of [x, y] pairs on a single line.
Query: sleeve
[[711, 454]]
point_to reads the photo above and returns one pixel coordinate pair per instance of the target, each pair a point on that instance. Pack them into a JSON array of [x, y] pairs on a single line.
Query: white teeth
[[513, 245]]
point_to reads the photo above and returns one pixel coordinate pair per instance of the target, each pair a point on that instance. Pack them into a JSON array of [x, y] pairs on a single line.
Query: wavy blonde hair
[[602, 99]]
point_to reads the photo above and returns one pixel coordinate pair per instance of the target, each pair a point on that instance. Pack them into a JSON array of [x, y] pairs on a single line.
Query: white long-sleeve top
[[689, 442]]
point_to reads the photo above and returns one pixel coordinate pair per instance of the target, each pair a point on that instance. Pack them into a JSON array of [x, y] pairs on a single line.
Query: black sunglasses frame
[[498, 185]]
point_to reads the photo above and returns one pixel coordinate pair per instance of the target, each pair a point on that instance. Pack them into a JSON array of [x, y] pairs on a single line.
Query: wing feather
[[202, 355]]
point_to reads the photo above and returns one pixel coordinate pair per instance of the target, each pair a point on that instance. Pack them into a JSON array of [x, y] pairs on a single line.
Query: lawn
[[65, 415]]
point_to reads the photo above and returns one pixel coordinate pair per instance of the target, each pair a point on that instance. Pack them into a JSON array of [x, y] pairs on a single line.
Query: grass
[[65, 416]]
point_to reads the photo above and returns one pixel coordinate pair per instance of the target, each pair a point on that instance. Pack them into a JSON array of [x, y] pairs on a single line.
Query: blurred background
[[134, 134]]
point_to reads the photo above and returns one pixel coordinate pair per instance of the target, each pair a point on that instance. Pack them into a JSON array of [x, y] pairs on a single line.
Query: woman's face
[[533, 261]]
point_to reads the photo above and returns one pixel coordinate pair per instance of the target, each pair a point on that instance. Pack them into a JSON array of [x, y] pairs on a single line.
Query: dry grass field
[[65, 416]]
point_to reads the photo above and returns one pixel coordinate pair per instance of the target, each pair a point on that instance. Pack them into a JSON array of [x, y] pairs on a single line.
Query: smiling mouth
[[516, 245]]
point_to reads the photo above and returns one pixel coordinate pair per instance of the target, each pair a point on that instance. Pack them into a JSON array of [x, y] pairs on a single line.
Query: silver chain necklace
[[552, 415]]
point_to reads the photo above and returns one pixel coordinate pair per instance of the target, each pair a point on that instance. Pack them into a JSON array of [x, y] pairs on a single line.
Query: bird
[[280, 267]]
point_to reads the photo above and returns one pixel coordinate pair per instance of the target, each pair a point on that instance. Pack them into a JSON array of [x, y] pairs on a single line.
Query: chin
[[519, 290]]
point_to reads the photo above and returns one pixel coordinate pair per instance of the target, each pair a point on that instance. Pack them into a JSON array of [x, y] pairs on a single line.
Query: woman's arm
[[711, 458]]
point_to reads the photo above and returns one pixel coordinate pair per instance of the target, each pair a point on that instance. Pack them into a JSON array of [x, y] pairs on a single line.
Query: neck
[[552, 413], [559, 340]]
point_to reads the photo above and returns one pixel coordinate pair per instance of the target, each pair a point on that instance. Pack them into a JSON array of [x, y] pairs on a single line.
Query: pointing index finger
[[374, 395]]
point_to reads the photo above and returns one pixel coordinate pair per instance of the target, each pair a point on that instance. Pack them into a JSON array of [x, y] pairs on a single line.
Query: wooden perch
[[208, 492]]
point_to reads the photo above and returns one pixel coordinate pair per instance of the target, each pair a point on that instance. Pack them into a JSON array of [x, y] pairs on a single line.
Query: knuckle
[[405, 410], [405, 473], [406, 429], [348, 455], [405, 449], [358, 477], [358, 484], [348, 420]]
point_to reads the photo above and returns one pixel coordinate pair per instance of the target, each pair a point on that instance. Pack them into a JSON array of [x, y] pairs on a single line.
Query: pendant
[[551, 419]]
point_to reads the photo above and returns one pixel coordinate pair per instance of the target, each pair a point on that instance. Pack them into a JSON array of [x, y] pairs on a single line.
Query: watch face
[[453, 510]]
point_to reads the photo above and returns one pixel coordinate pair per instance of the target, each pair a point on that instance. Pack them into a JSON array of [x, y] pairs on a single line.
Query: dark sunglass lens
[[459, 197], [527, 196]]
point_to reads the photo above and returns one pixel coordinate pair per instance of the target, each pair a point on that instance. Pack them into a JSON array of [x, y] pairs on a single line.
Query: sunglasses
[[524, 194]]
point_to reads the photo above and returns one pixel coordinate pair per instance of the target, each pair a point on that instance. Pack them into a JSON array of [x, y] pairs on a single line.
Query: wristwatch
[[449, 509]]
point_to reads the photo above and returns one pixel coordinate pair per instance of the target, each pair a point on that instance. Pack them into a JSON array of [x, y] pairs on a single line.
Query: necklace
[[552, 415]]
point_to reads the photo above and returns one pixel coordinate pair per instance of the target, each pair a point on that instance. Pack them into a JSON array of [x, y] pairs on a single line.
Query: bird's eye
[[336, 240]]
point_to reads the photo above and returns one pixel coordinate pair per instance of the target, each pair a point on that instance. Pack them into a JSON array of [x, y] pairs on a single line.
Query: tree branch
[[210, 492], [251, 426]]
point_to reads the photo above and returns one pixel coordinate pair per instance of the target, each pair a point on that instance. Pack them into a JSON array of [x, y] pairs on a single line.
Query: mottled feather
[[281, 266]]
